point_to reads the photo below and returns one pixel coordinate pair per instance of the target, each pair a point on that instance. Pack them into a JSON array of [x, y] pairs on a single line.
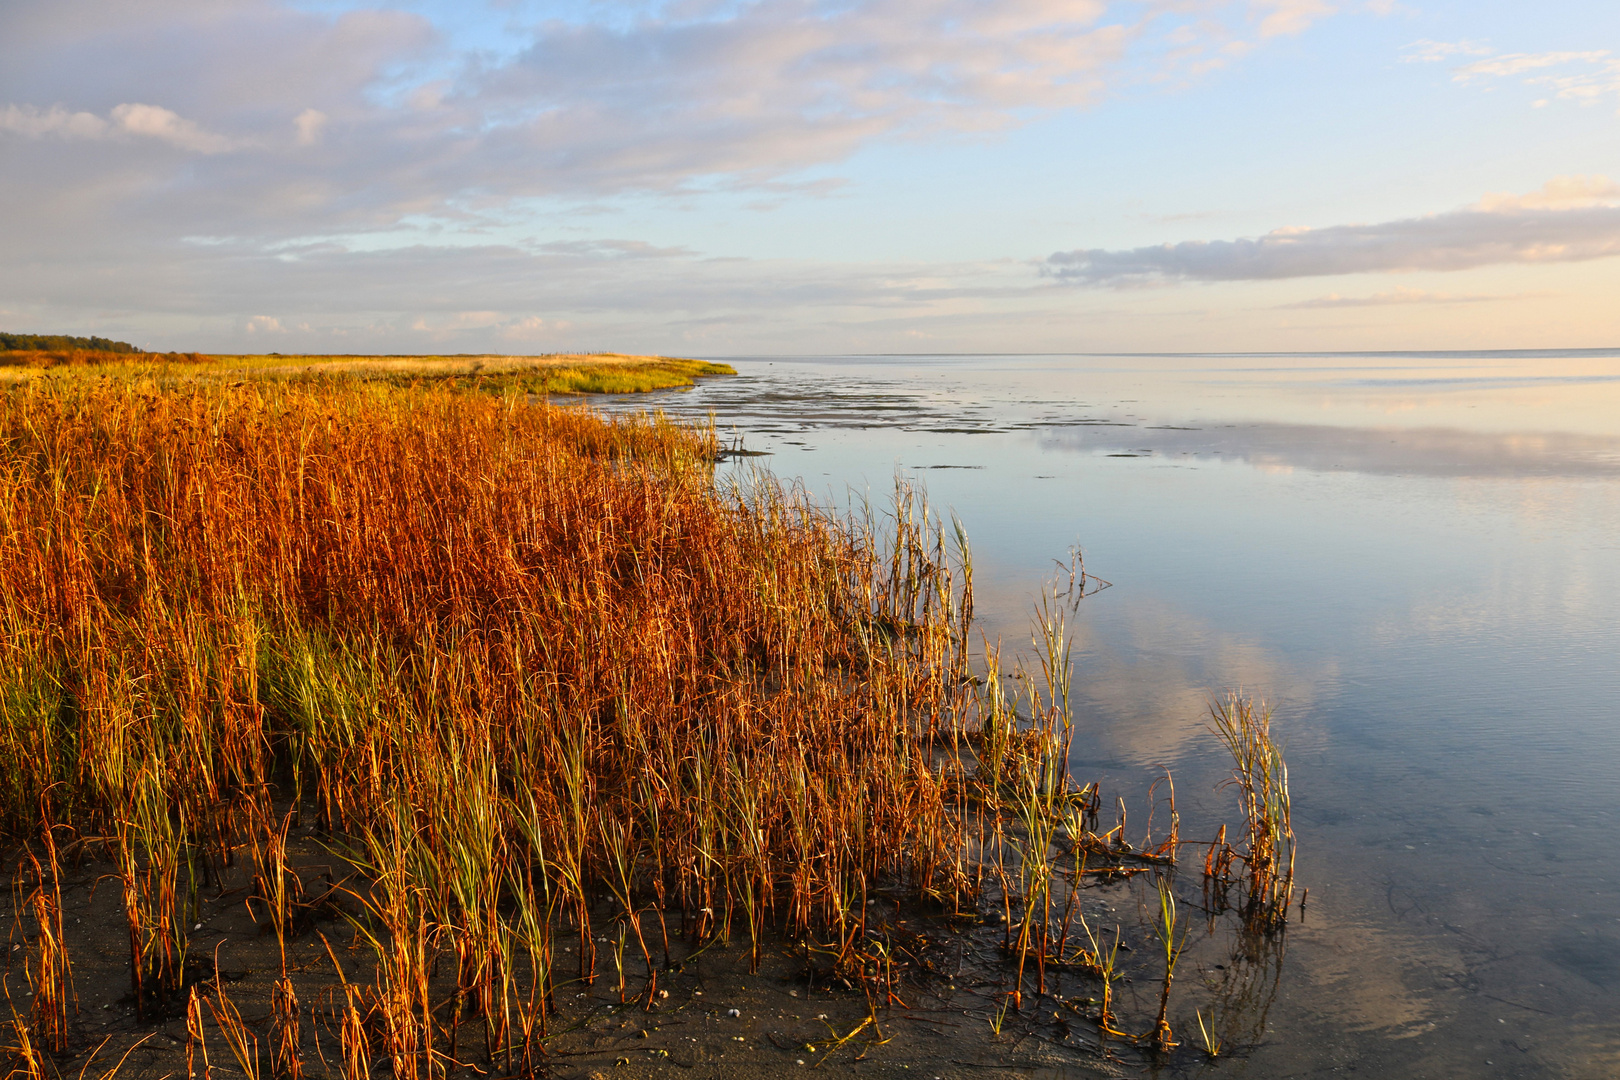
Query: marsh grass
[[1165, 928], [40, 359], [238, 1036], [534, 677], [1260, 777], [557, 373], [1210, 1042], [50, 972], [516, 660]]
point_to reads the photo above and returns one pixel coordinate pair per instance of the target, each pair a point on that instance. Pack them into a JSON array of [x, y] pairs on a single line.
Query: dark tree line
[[59, 342]]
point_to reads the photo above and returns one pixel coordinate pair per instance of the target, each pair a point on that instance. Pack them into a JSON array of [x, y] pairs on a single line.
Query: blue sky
[[817, 175]]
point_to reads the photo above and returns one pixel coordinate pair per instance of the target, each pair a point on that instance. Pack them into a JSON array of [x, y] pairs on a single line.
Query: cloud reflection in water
[[1379, 451]]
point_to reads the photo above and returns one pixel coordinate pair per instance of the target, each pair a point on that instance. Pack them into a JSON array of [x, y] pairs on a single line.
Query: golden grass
[[520, 659], [558, 373]]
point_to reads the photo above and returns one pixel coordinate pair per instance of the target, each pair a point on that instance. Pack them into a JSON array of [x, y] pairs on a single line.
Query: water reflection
[[1387, 451], [1242, 990], [1144, 679]]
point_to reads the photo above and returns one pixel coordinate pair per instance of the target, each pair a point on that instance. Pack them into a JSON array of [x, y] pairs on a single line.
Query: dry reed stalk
[[27, 1061], [243, 1044], [276, 886], [287, 1057], [50, 973], [196, 1042], [352, 1037], [1166, 851], [402, 946], [356, 1045]]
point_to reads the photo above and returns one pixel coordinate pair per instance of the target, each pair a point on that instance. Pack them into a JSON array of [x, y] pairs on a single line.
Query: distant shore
[[554, 373]]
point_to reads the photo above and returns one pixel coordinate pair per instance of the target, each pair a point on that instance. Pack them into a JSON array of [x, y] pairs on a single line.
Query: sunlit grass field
[[559, 373]]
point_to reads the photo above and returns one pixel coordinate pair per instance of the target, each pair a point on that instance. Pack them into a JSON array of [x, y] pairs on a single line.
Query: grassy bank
[[558, 373]]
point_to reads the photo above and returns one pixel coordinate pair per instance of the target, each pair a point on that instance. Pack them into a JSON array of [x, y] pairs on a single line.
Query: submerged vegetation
[[559, 707]]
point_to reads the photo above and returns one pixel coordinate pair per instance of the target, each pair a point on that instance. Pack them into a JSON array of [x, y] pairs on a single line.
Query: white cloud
[[1559, 193], [470, 299], [309, 125], [1569, 220], [143, 121], [156, 122], [1280, 17], [36, 123], [1586, 76], [1434, 52], [470, 320], [1601, 80], [1519, 63], [762, 89], [533, 328]]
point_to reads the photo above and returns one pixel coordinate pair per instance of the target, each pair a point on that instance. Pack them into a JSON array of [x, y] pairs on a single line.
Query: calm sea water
[[1414, 557]]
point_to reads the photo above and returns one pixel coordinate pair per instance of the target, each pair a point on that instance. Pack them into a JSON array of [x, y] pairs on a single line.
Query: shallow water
[[1415, 558]]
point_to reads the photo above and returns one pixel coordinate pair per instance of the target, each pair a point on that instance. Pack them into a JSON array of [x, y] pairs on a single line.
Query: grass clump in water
[[1261, 778]]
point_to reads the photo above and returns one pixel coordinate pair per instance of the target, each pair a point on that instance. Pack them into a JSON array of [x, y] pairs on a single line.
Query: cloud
[[528, 330], [35, 123], [1394, 297], [1567, 221], [613, 99], [472, 299], [1375, 450], [1586, 76], [760, 89], [1559, 193], [143, 121], [1519, 63], [309, 125], [617, 249], [1433, 52], [156, 122], [1290, 16], [239, 153]]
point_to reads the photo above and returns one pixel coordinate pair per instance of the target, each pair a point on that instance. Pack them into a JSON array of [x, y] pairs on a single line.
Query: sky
[[724, 177]]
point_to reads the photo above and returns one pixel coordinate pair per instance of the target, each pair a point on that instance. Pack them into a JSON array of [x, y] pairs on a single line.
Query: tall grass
[[530, 665]]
